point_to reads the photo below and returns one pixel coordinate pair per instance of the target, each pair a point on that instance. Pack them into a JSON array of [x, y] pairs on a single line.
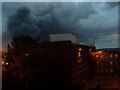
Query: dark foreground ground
[[106, 82]]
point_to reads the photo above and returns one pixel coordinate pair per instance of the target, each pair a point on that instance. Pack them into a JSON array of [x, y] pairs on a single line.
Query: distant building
[[107, 61], [63, 37]]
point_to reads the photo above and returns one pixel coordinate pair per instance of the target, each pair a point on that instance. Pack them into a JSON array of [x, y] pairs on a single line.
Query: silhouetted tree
[[36, 68], [22, 44]]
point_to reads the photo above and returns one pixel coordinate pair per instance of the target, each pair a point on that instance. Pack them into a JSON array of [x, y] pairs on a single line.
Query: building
[[73, 63], [66, 63], [63, 37], [107, 61]]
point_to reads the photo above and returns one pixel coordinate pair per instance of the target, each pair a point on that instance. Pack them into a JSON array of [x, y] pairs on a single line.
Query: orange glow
[[97, 56], [99, 51], [79, 54], [80, 49], [3, 62], [79, 61], [1, 49]]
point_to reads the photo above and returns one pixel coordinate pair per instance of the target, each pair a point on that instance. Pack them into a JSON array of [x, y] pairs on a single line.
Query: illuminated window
[[79, 60], [111, 55], [111, 70], [97, 56], [79, 54], [26, 54], [111, 63], [106, 56], [90, 49], [116, 55], [101, 56], [3, 63], [97, 62]]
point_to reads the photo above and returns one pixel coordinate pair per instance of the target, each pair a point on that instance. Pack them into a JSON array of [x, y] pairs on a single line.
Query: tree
[[36, 68], [21, 44]]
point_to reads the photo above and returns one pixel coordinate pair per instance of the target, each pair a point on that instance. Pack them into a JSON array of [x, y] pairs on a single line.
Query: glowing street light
[[3, 63], [7, 63], [26, 54], [80, 49]]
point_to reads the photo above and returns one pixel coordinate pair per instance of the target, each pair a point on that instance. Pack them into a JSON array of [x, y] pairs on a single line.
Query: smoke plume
[[90, 21], [50, 18], [23, 23]]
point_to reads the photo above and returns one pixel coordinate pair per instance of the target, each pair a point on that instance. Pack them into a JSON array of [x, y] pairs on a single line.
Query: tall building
[[65, 63], [73, 63]]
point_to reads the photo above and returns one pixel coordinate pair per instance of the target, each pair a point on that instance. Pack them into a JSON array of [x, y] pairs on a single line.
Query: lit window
[[26, 54], [3, 63], [79, 60], [106, 56], [111, 63], [97, 56], [116, 55], [79, 54], [90, 49], [111, 70], [111, 55], [101, 56]]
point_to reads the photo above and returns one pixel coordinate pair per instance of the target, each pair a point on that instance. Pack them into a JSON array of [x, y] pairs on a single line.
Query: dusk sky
[[91, 21]]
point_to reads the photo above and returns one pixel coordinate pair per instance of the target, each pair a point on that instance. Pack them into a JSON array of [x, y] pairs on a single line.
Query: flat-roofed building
[[63, 37], [73, 63], [107, 62]]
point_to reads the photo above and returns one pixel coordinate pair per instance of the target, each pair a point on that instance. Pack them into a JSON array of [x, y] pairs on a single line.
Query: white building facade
[[63, 37]]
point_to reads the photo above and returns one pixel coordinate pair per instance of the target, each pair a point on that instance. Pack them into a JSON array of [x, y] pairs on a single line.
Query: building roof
[[109, 49]]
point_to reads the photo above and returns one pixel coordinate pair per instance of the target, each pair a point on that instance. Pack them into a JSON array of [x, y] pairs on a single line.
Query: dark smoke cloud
[[50, 18], [112, 4], [23, 23], [90, 21]]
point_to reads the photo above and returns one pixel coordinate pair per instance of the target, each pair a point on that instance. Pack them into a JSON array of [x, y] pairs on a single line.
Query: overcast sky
[[90, 21], [59, 0]]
